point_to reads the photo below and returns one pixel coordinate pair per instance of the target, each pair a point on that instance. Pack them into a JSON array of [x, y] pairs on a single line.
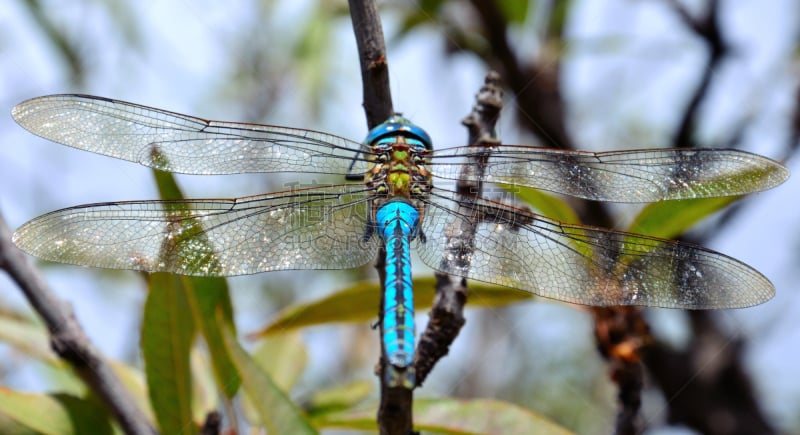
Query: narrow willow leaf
[[545, 204], [206, 295], [553, 207], [275, 410], [32, 338], [514, 12], [558, 20], [134, 382], [481, 416], [455, 417], [167, 333], [670, 219], [667, 220], [28, 337], [9, 426], [283, 357], [56, 414], [359, 303], [339, 398]]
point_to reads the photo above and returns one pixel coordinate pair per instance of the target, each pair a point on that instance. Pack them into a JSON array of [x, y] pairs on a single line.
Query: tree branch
[[706, 385], [793, 141], [68, 339], [707, 28], [537, 88], [540, 105], [542, 110], [621, 333], [447, 313], [395, 411], [372, 57]]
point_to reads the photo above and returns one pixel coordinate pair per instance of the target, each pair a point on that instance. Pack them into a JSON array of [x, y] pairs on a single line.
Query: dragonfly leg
[[350, 175], [369, 230]]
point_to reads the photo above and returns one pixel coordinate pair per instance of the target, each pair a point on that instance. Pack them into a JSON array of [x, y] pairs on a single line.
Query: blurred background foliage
[[611, 75]]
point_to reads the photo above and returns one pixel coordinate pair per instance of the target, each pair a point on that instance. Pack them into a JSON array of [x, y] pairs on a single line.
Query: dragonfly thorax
[[399, 163]]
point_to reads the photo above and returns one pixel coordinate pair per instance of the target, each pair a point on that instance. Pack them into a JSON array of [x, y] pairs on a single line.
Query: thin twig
[[793, 141], [706, 385], [539, 101], [626, 334], [447, 314], [212, 425], [663, 362], [621, 333], [372, 56], [707, 28], [537, 92], [541, 109], [395, 412], [696, 402], [66, 48], [67, 338]]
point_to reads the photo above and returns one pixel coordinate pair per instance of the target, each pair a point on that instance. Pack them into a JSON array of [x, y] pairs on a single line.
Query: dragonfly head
[[398, 125]]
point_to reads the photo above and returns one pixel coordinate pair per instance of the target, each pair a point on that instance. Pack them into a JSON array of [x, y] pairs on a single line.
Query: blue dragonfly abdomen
[[398, 224]]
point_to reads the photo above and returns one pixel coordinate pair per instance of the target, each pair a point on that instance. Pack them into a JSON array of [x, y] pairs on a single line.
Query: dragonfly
[[396, 206]]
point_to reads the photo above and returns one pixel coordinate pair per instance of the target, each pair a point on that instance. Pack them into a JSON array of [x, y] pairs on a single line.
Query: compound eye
[[416, 145], [384, 144], [395, 126]]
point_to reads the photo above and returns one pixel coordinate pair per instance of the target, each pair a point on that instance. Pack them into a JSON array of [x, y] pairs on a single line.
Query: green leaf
[[134, 382], [558, 19], [667, 220], [553, 207], [167, 186], [283, 357], [339, 398], [670, 219], [455, 417], [515, 12], [167, 333], [32, 338], [206, 295], [9, 426], [488, 416], [545, 204], [56, 414], [27, 336], [275, 410], [359, 303]]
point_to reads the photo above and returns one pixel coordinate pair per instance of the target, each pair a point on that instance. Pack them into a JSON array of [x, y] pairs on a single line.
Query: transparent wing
[[585, 265], [180, 143], [622, 176], [319, 228]]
